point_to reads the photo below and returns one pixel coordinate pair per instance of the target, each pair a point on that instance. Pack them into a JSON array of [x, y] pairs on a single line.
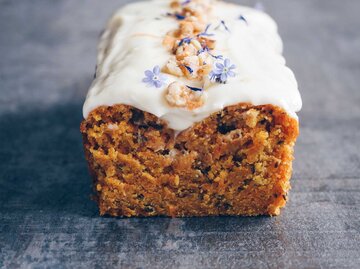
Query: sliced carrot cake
[[192, 112]]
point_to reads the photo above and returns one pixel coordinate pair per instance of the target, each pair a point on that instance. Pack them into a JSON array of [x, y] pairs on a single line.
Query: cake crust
[[237, 161]]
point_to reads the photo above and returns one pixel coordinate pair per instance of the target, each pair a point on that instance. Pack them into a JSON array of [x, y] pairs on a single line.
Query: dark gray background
[[47, 59]]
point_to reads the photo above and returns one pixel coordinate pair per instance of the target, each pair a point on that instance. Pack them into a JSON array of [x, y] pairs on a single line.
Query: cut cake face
[[235, 162]]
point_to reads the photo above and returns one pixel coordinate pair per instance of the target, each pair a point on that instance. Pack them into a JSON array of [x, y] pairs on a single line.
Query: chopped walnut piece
[[186, 28], [207, 43], [173, 68], [185, 50], [179, 95], [175, 4], [192, 64], [204, 70], [169, 42], [251, 118], [196, 44]]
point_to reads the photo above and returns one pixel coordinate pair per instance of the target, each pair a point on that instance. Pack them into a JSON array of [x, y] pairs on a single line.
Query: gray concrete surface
[[47, 220]]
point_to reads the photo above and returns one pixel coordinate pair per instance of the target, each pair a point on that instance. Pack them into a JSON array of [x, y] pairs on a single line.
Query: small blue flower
[[222, 71], [154, 78]]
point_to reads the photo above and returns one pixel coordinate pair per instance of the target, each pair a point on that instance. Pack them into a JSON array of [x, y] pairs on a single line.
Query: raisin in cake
[[192, 112]]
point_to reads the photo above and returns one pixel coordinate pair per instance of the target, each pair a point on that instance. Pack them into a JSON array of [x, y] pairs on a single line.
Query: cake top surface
[[183, 60]]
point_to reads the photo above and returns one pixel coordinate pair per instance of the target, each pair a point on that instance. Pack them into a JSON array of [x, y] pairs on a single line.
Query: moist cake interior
[[235, 162]]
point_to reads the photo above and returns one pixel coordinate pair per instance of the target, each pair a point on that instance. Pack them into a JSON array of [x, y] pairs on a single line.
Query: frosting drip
[[133, 43]]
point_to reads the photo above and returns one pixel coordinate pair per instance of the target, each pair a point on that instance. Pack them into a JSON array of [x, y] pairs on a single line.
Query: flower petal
[[146, 80], [156, 70], [233, 66], [223, 77], [231, 74], [148, 73], [158, 83], [219, 65], [217, 71], [227, 62], [212, 75]]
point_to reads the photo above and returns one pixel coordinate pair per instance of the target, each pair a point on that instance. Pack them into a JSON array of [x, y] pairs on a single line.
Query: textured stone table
[[47, 220]]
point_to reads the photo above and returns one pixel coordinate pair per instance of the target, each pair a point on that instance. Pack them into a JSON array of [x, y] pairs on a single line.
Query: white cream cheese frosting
[[132, 43]]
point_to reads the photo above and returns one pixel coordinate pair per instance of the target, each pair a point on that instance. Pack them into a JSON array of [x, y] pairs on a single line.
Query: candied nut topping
[[191, 46], [179, 95], [172, 67]]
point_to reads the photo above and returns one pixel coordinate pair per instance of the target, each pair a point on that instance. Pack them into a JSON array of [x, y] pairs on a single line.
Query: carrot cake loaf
[[192, 112]]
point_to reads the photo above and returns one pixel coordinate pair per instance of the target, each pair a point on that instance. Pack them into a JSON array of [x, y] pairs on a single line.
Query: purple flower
[[154, 78], [222, 71]]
